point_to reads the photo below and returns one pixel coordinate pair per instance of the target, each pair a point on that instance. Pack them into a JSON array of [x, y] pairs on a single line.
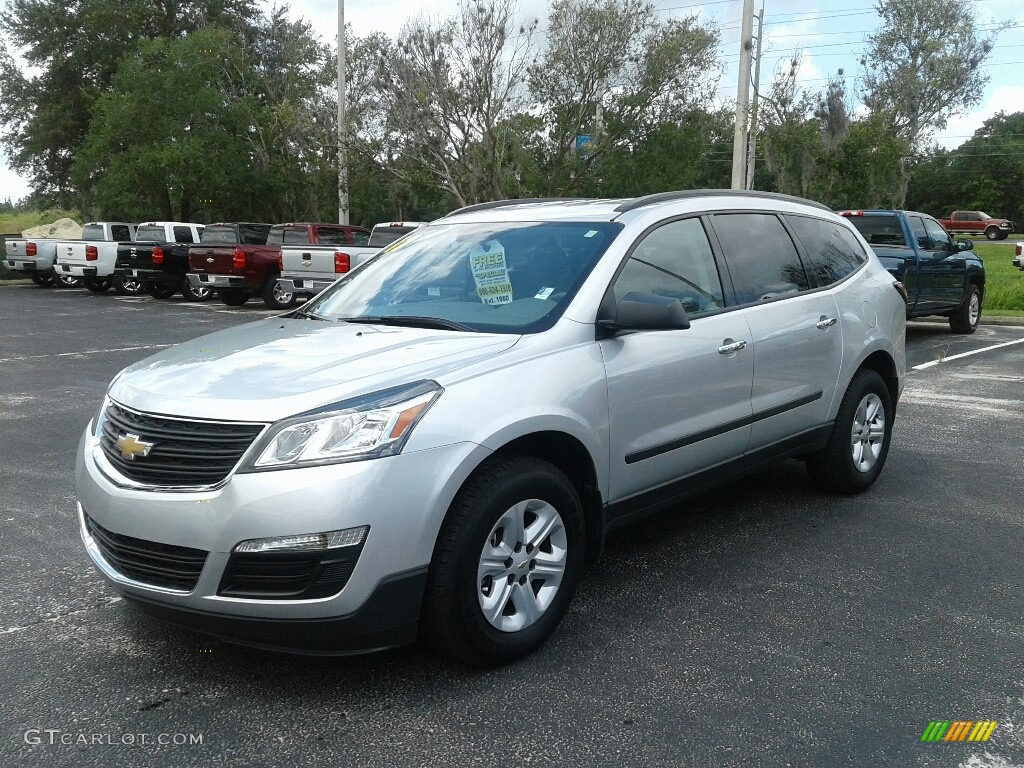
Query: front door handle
[[731, 346], [826, 322]]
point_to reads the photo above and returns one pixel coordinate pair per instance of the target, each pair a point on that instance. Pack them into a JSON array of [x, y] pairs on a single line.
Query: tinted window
[[762, 259], [674, 260], [333, 235], [917, 231], [120, 232], [150, 234], [360, 237], [254, 234], [183, 235], [939, 237], [92, 232], [832, 250], [382, 236], [879, 228], [223, 234], [296, 235]]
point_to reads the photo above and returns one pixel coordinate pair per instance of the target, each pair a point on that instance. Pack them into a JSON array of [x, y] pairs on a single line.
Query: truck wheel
[[506, 563], [859, 444], [1003, 235], [202, 293], [234, 297], [161, 290], [68, 281], [967, 317], [275, 297], [97, 285], [992, 233], [44, 280], [124, 287]]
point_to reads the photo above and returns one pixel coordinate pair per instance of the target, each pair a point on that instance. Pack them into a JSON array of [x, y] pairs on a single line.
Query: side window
[[918, 231], [958, 216], [120, 232], [674, 260], [332, 235], [939, 236], [359, 237], [183, 235], [254, 234], [296, 235], [762, 259], [832, 250]]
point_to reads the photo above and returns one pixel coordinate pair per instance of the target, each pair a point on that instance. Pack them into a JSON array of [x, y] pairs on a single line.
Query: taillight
[[158, 255], [30, 249], [280, 262], [238, 259], [1018, 251], [342, 263], [91, 254], [901, 289]]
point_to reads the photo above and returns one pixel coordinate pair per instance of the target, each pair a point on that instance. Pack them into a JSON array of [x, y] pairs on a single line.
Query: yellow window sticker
[[490, 272]]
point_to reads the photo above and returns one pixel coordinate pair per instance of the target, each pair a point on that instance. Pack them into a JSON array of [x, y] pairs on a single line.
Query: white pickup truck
[[1018, 256], [331, 252], [94, 256], [35, 257]]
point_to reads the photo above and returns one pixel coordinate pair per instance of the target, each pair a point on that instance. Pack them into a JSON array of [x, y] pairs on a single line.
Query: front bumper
[[203, 280], [304, 286], [402, 499]]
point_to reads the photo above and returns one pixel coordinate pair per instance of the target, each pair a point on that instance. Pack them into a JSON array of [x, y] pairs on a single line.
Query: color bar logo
[[959, 730]]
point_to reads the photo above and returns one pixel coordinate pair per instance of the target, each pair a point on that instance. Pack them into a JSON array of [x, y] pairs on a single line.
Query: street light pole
[[342, 148]]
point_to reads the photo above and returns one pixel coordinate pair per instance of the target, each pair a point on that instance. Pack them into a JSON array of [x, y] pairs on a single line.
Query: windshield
[[983, 215], [499, 278]]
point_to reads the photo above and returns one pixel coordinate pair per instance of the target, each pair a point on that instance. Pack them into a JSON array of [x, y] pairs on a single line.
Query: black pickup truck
[[158, 259], [941, 275]]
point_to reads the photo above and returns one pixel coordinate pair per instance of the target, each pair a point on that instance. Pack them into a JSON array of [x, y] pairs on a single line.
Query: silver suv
[[436, 445]]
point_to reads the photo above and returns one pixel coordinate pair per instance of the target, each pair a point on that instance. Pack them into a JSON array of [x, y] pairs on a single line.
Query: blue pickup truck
[[941, 275]]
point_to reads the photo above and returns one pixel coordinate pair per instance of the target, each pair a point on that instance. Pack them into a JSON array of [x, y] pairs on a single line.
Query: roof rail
[[662, 197], [504, 203]]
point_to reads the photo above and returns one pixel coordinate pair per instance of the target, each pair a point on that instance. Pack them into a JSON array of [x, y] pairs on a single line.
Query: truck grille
[[148, 562], [183, 452]]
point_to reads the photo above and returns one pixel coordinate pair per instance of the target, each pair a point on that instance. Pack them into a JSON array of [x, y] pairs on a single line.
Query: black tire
[[276, 298], [202, 293], [453, 621], [966, 318], [234, 297], [992, 233], [161, 290], [123, 287], [1003, 235], [97, 284], [834, 468], [44, 280], [68, 281]]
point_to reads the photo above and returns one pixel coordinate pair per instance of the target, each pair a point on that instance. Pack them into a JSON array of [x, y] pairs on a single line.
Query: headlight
[[366, 428], [99, 419]]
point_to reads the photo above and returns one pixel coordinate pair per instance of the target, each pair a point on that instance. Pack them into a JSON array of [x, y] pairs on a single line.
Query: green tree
[[991, 167]]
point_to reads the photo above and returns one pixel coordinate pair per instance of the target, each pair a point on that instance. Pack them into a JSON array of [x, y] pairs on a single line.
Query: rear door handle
[[731, 346], [826, 322]]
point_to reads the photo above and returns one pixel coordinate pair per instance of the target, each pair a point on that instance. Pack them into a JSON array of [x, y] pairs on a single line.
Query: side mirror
[[965, 245], [642, 312]]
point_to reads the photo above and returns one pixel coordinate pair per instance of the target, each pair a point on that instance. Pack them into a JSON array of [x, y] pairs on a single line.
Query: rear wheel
[[67, 281], [128, 287], [234, 297], [967, 317], [859, 444], [506, 563], [44, 280], [97, 284], [196, 293], [161, 290], [275, 297]]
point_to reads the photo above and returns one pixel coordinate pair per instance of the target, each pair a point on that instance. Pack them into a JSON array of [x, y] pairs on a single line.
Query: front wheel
[[128, 287], [992, 233], [234, 297], [196, 292], [859, 444], [967, 317], [275, 297], [506, 563], [161, 290], [97, 285], [65, 280], [44, 280]]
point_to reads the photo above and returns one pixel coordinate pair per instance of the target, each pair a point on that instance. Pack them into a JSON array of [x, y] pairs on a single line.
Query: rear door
[[796, 337], [679, 401]]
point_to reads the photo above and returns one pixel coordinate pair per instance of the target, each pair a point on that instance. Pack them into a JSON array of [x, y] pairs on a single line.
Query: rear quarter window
[[831, 249], [183, 235]]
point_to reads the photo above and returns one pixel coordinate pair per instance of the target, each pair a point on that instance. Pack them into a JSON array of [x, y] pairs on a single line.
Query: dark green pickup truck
[[941, 275]]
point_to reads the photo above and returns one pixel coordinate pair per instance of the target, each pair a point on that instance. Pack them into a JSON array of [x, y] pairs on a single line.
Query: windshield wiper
[[412, 321], [302, 315]]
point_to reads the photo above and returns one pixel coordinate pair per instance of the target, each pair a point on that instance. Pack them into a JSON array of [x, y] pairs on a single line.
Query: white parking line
[[85, 352], [922, 366]]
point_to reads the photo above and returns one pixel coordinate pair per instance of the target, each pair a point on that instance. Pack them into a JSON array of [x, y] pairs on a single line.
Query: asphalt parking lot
[[764, 624]]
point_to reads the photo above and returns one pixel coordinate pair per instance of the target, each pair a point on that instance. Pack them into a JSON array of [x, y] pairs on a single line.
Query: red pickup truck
[[977, 223], [241, 260]]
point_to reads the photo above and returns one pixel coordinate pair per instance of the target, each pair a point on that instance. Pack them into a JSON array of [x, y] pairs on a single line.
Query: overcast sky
[[831, 34]]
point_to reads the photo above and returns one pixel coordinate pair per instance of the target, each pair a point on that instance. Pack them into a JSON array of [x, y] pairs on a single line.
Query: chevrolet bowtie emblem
[[209, 261], [131, 446], [135, 253], [306, 263]]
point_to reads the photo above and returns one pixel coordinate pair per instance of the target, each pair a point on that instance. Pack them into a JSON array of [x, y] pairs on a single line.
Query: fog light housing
[[306, 542]]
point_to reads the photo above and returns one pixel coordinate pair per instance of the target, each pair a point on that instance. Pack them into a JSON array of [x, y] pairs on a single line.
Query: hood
[[279, 367]]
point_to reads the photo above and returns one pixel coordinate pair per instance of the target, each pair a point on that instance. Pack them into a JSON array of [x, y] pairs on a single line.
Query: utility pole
[[739, 142], [599, 116], [753, 110], [342, 149]]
